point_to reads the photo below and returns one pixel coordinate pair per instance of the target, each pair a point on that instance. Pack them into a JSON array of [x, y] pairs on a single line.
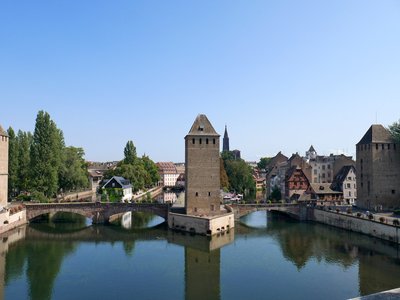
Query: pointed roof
[[312, 149], [376, 134], [226, 133], [3, 132], [202, 126], [340, 177]]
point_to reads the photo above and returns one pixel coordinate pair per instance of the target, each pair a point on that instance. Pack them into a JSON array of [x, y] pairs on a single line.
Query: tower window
[[193, 141], [393, 192], [377, 146], [200, 141], [197, 194], [214, 141], [388, 146], [209, 194], [383, 146], [207, 141]]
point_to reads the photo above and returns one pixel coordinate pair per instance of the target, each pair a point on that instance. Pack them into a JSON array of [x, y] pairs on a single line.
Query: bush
[[382, 219], [349, 211], [337, 210], [359, 214], [24, 197], [396, 222], [39, 196], [371, 216]]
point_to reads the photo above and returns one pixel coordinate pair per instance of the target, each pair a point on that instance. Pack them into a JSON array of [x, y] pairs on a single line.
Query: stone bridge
[[98, 212], [293, 210]]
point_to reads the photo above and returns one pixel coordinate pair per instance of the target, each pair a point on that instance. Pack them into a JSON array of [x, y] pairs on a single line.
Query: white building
[[345, 181], [168, 174]]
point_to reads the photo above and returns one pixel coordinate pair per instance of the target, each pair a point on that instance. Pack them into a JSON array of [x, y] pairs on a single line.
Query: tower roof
[[376, 134], [226, 133], [202, 126], [311, 149], [3, 132]]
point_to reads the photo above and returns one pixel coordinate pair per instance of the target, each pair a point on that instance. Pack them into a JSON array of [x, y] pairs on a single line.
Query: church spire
[[225, 146]]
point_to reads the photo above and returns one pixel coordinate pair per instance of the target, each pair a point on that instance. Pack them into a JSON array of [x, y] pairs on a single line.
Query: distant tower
[[311, 153], [3, 167], [202, 168], [225, 146]]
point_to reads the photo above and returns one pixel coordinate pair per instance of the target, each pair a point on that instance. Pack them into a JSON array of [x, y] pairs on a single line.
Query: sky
[[282, 75]]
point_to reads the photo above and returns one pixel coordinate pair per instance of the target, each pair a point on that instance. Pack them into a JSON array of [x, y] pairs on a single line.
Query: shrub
[[39, 196], [359, 214], [349, 211], [382, 219], [371, 216], [337, 210], [396, 222]]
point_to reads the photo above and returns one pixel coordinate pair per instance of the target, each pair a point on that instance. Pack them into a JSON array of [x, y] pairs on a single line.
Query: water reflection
[[137, 220], [176, 198], [100, 261]]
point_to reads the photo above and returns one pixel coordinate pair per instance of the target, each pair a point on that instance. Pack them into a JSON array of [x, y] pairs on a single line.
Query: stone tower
[[202, 169], [378, 170], [225, 145], [3, 167]]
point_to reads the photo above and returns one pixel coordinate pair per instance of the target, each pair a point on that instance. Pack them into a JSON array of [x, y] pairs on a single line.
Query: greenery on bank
[[239, 174], [142, 172], [395, 131], [40, 165]]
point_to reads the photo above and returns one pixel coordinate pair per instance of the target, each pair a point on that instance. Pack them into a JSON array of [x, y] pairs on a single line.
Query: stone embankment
[[380, 227]]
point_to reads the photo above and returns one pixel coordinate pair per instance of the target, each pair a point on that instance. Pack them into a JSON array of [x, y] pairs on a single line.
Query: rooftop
[[202, 126], [376, 134]]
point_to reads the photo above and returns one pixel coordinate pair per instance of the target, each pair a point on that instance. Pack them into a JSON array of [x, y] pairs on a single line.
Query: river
[[265, 257]]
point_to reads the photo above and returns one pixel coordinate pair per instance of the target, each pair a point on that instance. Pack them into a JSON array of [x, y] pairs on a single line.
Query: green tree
[[73, 173], [223, 176], [240, 176], [395, 131], [263, 163], [130, 153], [152, 175], [276, 194], [12, 163], [24, 144], [46, 155]]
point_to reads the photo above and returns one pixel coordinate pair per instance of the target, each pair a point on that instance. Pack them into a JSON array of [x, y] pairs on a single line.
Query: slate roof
[[124, 183], [376, 134], [337, 183], [323, 188], [312, 149], [202, 126], [226, 133]]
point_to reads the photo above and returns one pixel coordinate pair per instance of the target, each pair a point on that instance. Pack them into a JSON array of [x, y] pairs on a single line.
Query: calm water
[[265, 257]]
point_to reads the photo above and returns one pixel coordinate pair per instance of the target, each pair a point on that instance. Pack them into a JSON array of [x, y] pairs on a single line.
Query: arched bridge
[[98, 212], [293, 210]]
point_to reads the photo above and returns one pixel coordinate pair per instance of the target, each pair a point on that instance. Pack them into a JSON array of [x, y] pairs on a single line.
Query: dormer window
[[201, 128]]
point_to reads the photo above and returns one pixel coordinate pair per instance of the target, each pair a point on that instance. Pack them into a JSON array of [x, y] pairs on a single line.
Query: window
[[348, 185], [200, 141], [393, 192], [383, 146], [329, 166], [193, 141], [207, 141], [209, 194], [315, 172], [197, 194], [212, 207], [195, 209], [349, 194], [323, 167], [377, 146], [214, 141], [388, 146]]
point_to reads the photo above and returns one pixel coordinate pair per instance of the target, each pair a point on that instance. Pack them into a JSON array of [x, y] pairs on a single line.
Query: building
[[202, 185], [378, 167], [202, 168], [3, 168], [118, 189], [296, 183], [323, 192], [236, 154], [345, 182], [168, 174], [225, 145]]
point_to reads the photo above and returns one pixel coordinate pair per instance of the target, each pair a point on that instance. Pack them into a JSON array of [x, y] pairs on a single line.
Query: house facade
[[168, 174], [296, 183], [378, 166], [345, 182], [118, 189]]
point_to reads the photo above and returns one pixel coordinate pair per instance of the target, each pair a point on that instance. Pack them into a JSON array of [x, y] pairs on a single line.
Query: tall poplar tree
[[46, 155], [24, 144], [12, 163], [130, 153]]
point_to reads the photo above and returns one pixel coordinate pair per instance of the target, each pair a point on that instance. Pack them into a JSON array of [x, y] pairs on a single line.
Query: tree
[[12, 163], [263, 163], [223, 176], [276, 193], [152, 175], [130, 153], [73, 174], [395, 131], [240, 175], [46, 155], [24, 144]]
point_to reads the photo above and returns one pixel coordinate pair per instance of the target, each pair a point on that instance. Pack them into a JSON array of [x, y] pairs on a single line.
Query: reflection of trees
[[43, 260]]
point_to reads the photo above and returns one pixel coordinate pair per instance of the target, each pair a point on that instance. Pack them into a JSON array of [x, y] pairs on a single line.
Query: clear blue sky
[[281, 74]]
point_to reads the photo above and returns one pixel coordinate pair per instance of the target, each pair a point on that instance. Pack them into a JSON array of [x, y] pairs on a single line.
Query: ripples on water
[[265, 257]]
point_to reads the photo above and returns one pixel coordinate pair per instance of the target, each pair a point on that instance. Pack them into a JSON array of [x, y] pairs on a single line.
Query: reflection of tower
[[202, 168], [225, 146], [202, 274], [3, 168]]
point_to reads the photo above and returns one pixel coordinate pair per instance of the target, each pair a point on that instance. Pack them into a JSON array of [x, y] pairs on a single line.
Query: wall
[[353, 223], [14, 220], [200, 225]]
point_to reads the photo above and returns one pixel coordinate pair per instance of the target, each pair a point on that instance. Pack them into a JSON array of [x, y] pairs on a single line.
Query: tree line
[[40, 165]]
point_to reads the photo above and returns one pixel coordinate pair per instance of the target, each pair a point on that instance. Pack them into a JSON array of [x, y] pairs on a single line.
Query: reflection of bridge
[[98, 212], [292, 210]]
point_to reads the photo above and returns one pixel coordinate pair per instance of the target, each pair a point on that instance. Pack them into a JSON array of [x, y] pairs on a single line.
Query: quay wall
[[9, 222], [373, 228]]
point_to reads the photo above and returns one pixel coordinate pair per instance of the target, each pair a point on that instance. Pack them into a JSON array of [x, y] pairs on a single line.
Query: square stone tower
[[3, 168], [378, 170], [202, 169]]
